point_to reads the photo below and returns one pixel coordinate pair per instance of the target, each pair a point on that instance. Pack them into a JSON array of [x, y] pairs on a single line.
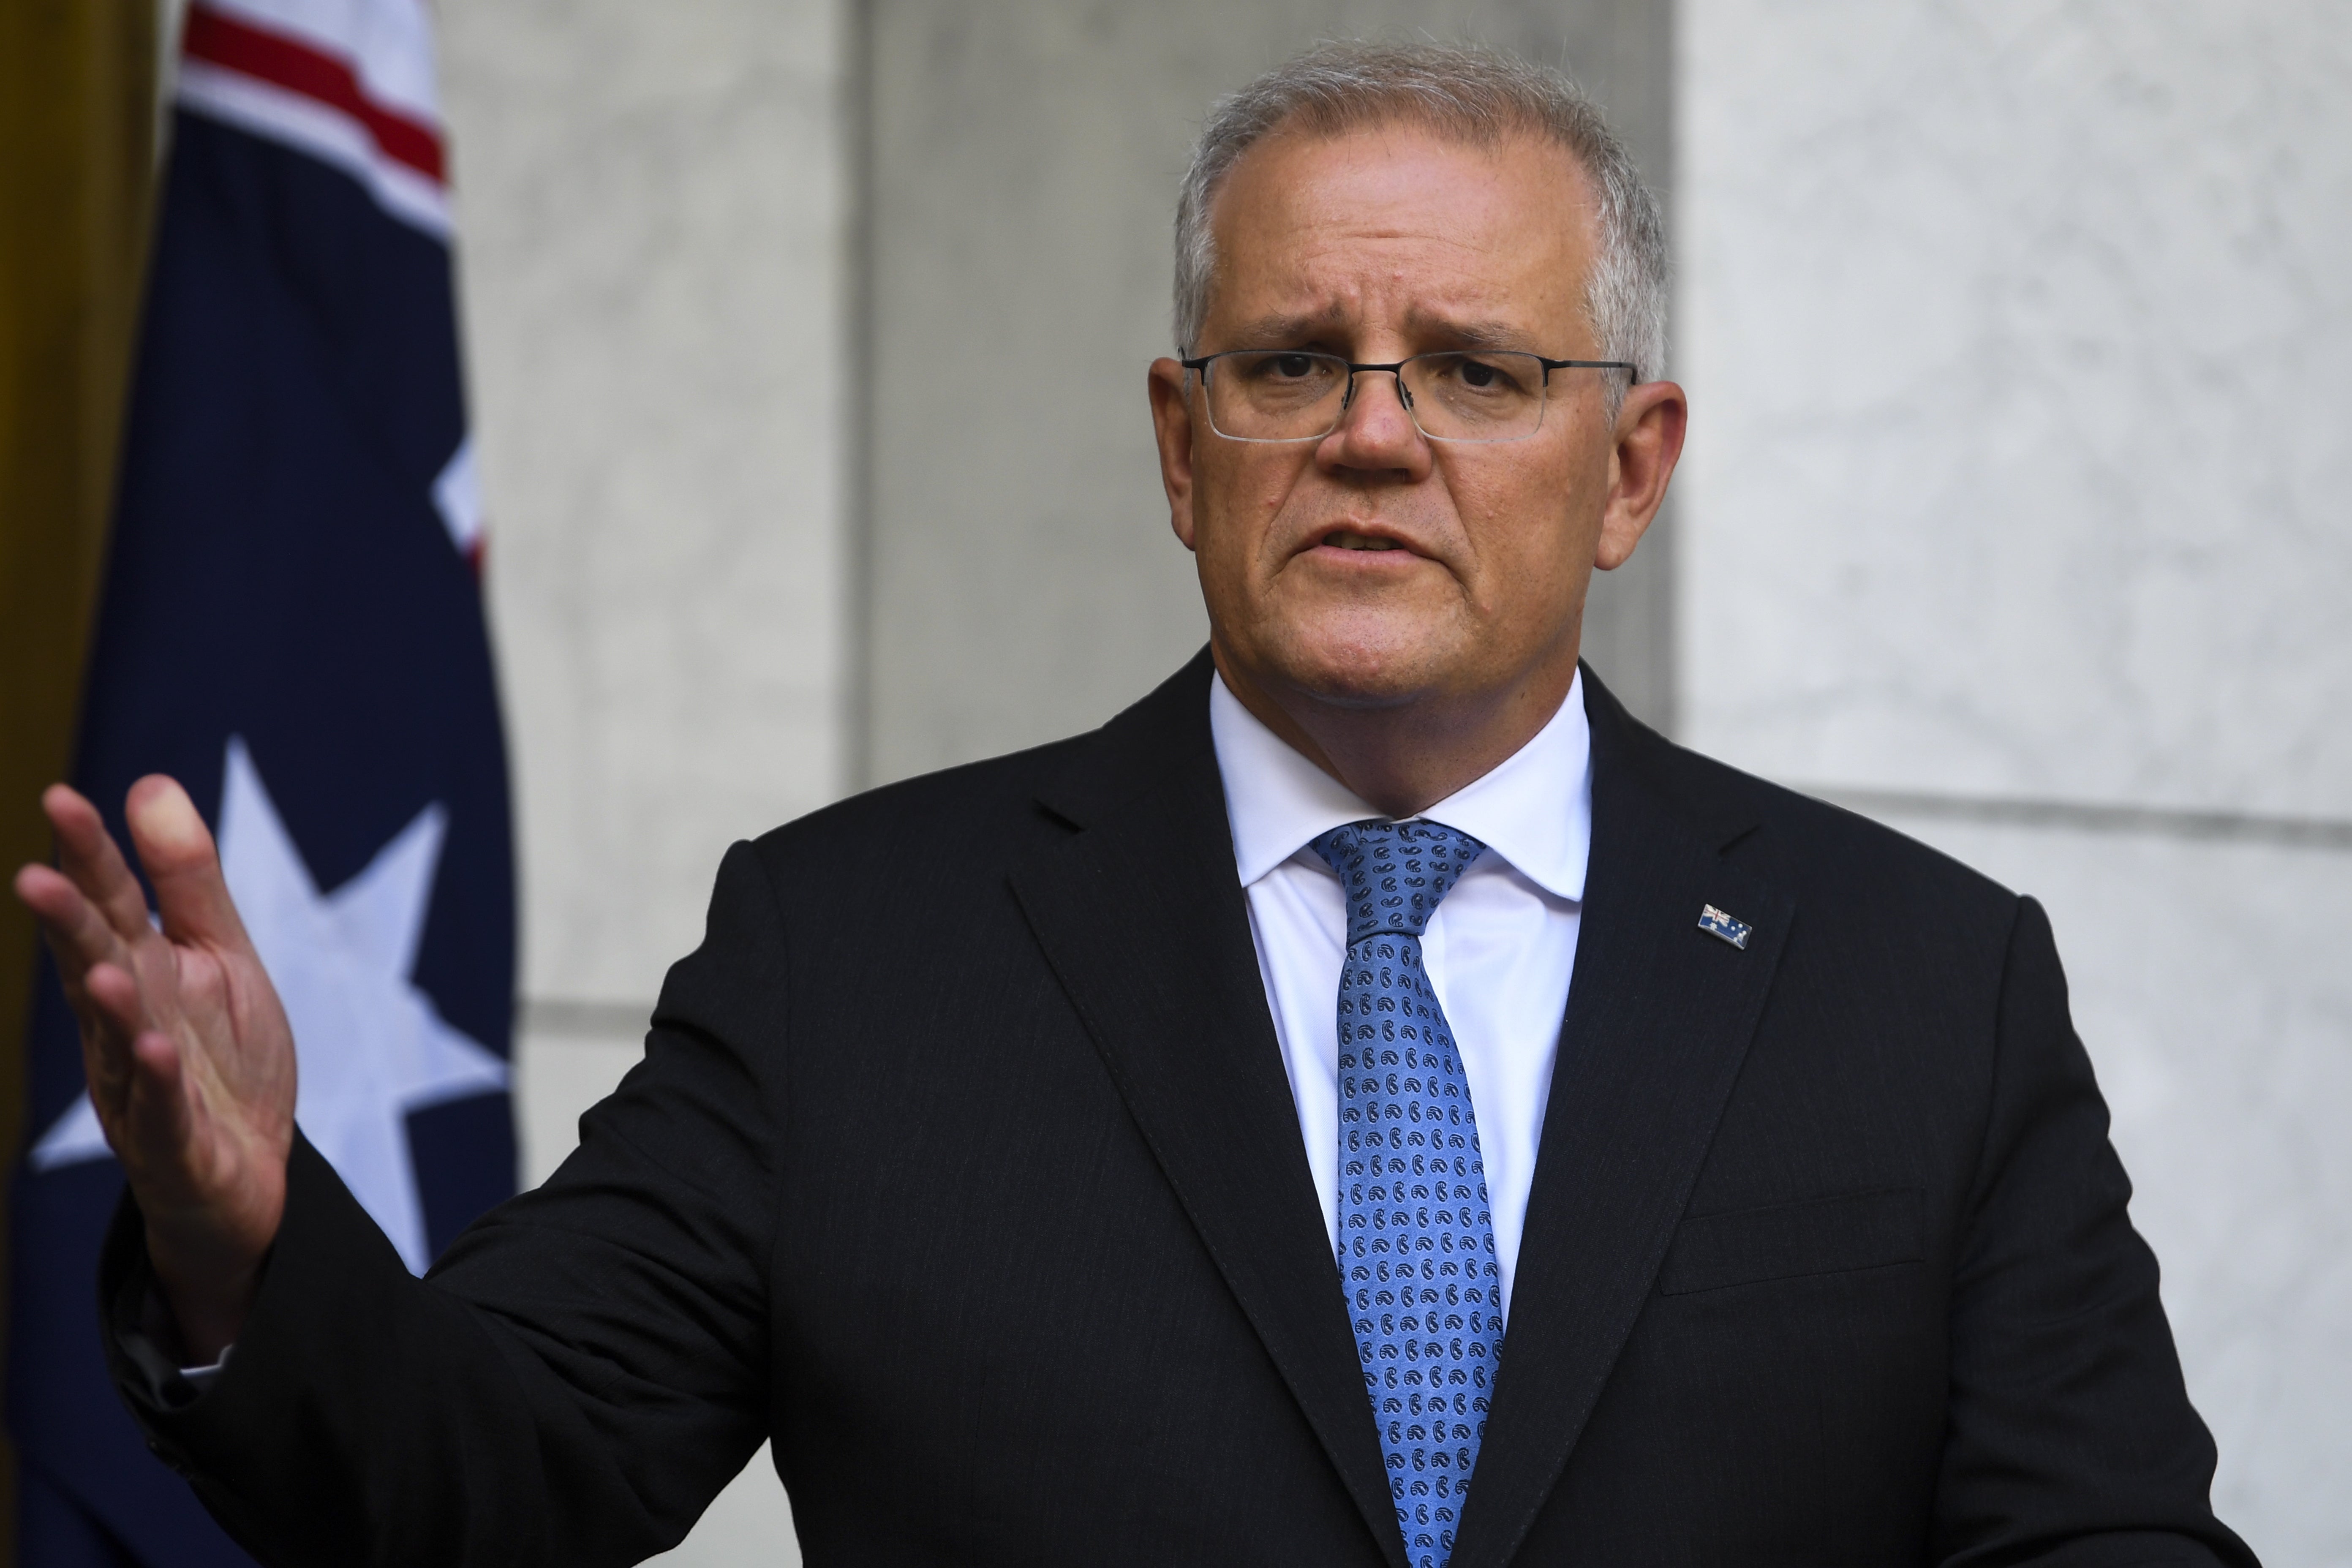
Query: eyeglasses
[[1280, 395]]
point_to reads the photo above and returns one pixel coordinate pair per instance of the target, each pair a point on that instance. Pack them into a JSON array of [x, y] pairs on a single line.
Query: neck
[[1404, 758]]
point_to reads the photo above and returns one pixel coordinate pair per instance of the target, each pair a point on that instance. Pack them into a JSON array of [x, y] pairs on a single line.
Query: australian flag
[[293, 627]]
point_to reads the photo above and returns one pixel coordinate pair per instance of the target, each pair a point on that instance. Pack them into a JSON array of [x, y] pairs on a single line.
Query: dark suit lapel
[[1141, 916], [1659, 1016]]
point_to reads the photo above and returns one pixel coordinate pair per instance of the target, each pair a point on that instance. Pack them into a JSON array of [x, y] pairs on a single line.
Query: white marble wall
[[652, 206], [2019, 331], [653, 218], [2019, 341]]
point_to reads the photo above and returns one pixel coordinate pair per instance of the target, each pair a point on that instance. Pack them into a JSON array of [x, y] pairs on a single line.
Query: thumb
[[176, 850]]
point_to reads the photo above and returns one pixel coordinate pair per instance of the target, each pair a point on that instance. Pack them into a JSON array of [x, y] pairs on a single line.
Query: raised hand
[[190, 1060]]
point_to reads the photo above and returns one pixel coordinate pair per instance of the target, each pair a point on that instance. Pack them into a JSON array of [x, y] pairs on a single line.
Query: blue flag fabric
[[292, 625]]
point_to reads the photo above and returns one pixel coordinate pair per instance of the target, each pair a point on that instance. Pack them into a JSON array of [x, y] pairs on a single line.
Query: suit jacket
[[962, 1161]]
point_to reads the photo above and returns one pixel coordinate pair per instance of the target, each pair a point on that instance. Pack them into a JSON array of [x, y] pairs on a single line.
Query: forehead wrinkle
[[1574, 195], [1359, 232], [1372, 265]]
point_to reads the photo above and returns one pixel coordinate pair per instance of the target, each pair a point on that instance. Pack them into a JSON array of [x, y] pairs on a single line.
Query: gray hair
[[1479, 95]]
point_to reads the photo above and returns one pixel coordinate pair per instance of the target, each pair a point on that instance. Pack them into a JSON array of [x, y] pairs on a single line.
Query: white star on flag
[[370, 1045]]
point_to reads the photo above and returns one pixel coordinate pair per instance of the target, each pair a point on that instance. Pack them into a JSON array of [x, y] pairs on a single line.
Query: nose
[[1376, 433]]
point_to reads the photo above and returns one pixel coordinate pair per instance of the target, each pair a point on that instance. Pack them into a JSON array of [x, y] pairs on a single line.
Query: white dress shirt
[[1499, 950]]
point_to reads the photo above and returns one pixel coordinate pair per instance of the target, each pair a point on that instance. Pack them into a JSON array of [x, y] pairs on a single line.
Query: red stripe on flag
[[297, 67]]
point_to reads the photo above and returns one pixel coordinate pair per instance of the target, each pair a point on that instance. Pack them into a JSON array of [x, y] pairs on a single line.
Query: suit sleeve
[[2072, 1439], [582, 1370]]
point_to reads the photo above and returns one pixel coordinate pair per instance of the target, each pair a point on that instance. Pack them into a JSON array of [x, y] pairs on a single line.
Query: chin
[[1392, 668]]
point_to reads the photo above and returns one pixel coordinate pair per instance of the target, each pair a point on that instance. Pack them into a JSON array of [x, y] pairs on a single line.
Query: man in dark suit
[[1166, 1145]]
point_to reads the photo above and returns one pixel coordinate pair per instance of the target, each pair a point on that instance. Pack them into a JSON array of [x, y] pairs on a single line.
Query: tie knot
[[1395, 872]]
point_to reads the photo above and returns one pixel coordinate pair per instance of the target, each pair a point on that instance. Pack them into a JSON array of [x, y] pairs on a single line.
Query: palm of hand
[[220, 1152], [190, 1059]]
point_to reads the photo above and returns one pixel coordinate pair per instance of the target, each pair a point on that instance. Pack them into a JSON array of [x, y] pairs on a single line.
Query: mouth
[[1360, 541]]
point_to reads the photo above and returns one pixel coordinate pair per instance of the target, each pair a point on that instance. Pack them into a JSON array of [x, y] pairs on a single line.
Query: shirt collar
[[1534, 809]]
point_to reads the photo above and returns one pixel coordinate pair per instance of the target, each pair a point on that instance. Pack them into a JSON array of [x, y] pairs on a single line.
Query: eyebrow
[[1487, 334], [1284, 330], [1268, 331]]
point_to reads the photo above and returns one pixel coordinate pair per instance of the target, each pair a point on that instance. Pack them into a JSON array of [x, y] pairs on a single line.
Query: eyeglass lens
[[1271, 395]]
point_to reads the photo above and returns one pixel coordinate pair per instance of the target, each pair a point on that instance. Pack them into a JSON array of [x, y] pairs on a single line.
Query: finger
[[156, 1118], [114, 995], [176, 848], [112, 1019], [87, 853], [78, 936]]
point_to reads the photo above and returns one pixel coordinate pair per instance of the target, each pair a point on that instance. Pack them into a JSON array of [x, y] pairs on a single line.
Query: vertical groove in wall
[[1665, 594], [1662, 608], [1622, 52], [857, 357]]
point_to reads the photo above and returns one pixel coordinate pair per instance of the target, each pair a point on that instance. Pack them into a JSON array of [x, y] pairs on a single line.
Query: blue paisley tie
[[1416, 1243]]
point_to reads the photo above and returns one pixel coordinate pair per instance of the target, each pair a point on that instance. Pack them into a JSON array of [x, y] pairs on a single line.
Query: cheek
[[1237, 505], [1524, 530]]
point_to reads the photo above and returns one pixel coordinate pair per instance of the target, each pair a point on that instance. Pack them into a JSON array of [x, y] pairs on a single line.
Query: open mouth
[[1345, 539]]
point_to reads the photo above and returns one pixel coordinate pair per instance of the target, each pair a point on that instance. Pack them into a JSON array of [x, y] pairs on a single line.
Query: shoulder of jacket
[[1818, 846], [987, 800]]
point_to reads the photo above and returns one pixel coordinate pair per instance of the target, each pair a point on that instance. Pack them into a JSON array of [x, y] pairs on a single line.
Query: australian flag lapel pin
[[1715, 922]]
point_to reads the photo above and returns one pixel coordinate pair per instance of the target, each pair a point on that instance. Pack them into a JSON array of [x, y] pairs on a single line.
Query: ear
[[1649, 443], [1170, 386]]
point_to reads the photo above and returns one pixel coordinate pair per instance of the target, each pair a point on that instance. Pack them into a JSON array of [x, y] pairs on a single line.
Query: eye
[[1291, 367], [1497, 375]]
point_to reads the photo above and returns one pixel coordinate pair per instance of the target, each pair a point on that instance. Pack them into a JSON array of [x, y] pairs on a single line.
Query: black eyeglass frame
[[1199, 367]]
